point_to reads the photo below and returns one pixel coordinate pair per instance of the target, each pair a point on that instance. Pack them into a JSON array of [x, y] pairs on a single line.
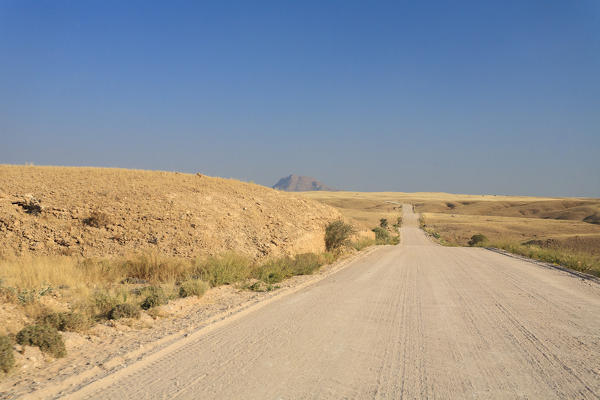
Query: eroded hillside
[[105, 211]]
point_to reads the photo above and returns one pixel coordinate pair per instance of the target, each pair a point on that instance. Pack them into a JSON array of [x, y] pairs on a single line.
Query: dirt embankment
[[105, 211]]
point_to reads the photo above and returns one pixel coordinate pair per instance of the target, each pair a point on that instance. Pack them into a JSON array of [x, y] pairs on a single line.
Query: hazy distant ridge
[[296, 183]]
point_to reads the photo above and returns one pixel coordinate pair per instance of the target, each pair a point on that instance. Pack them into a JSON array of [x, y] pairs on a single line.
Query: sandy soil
[[411, 321], [171, 213]]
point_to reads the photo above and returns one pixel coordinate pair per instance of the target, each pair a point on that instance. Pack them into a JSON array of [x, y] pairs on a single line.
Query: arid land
[[560, 230], [78, 243], [417, 320]]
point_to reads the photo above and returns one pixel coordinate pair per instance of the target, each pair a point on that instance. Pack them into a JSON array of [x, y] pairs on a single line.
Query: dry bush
[[45, 337], [97, 219], [66, 321], [31, 205], [193, 287], [155, 296], [124, 310]]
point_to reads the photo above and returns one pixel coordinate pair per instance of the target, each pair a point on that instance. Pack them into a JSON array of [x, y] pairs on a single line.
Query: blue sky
[[466, 97]]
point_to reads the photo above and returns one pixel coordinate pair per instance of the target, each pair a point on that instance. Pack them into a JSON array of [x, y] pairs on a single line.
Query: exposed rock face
[[106, 211], [296, 183]]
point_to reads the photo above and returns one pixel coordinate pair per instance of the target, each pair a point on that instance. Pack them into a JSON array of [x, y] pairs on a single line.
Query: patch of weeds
[[102, 303], [66, 321], [8, 294], [7, 357], [124, 310], [45, 337], [223, 270], [155, 268], [306, 264], [193, 287], [274, 271], [155, 297], [363, 243]]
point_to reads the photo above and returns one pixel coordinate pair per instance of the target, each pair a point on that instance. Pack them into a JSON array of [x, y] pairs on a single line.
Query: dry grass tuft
[[97, 219]]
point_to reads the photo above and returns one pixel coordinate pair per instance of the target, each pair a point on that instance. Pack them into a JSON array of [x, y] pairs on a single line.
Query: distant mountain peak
[[297, 183]]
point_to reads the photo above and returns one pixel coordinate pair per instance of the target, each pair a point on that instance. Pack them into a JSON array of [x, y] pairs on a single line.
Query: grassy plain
[[559, 230]]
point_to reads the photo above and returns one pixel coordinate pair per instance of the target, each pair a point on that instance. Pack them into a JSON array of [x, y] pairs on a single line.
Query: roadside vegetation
[[563, 231], [70, 294], [384, 234], [580, 254]]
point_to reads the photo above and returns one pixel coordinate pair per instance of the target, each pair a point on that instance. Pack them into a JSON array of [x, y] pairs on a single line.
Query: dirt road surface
[[412, 321]]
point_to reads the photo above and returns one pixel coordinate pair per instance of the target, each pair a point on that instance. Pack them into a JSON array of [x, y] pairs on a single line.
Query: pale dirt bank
[[176, 214]]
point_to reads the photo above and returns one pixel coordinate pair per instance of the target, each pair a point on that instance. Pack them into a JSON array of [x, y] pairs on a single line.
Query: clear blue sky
[[472, 97]]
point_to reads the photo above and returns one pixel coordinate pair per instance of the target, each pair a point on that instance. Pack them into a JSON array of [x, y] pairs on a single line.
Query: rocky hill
[[105, 211], [296, 183]]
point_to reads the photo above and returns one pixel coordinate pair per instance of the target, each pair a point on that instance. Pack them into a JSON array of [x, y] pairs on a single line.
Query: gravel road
[[416, 320]]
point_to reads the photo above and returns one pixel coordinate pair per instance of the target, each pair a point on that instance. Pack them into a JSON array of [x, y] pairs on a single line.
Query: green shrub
[[66, 321], [477, 239], [124, 310], [193, 287], [45, 337], [337, 235], [7, 358], [383, 222]]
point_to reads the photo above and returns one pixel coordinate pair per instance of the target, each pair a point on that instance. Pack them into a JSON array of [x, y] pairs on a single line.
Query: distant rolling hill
[[296, 183]]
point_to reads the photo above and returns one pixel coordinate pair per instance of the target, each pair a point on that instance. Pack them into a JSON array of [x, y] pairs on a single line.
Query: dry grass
[[573, 244], [54, 289], [368, 207], [458, 228], [560, 230]]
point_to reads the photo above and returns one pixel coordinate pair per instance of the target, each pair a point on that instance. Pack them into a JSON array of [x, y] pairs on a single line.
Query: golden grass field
[[554, 229]]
